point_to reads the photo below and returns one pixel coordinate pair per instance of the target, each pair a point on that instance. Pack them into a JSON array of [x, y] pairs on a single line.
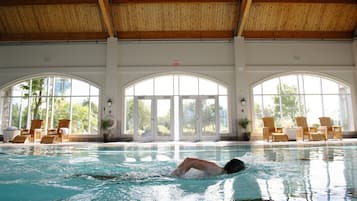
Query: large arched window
[[312, 96], [51, 98], [184, 104]]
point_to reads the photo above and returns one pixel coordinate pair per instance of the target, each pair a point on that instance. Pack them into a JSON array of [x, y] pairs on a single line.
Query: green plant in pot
[[244, 122], [106, 125]]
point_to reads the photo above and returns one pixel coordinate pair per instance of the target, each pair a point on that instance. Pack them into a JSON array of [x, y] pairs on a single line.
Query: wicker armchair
[[304, 131], [334, 132], [28, 134], [57, 134], [270, 131]]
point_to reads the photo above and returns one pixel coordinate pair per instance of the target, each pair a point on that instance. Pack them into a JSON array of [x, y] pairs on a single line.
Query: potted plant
[[106, 124], [244, 122]]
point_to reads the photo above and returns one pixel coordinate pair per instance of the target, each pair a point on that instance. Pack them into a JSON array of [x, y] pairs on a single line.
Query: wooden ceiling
[[95, 20]]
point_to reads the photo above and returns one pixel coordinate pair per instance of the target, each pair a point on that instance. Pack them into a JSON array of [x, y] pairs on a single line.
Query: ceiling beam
[[83, 36], [106, 12], [299, 34], [174, 34], [244, 12], [169, 1], [307, 1], [238, 15], [44, 2]]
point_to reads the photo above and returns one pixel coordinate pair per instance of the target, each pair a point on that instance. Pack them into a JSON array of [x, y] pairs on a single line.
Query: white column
[[111, 82], [354, 98], [242, 85]]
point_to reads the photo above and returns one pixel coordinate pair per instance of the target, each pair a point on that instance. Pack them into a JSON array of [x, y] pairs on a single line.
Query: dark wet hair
[[233, 166]]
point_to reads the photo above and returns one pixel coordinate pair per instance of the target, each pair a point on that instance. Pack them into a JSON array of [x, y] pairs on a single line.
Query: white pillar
[[354, 98], [242, 85], [111, 82]]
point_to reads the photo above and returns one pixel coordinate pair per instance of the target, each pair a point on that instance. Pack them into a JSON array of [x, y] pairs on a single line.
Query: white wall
[[85, 60], [162, 53], [213, 59], [300, 53], [334, 58]]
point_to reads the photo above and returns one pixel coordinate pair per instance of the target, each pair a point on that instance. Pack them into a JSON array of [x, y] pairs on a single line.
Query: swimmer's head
[[234, 166]]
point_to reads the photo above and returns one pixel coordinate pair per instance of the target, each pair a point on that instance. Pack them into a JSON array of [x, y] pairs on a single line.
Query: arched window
[[311, 96], [164, 105], [51, 98]]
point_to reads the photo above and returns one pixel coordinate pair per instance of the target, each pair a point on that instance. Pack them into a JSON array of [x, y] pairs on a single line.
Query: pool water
[[142, 172]]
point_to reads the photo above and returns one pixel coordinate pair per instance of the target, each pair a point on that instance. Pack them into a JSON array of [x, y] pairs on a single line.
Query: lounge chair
[[269, 130], [57, 134], [304, 131], [28, 134], [331, 132]]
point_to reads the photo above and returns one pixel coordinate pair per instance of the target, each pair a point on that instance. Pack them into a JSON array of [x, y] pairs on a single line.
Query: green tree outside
[[37, 89], [286, 105]]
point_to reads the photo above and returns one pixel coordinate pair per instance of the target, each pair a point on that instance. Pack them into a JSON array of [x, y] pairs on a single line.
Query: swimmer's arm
[[203, 165]]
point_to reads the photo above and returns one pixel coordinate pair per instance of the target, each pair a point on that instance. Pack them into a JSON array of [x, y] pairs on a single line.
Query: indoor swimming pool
[[142, 172]]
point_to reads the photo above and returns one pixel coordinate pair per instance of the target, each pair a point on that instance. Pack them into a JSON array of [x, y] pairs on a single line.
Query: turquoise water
[[130, 172]]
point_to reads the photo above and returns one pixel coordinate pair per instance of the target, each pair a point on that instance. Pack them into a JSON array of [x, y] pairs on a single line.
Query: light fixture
[[243, 102], [109, 102]]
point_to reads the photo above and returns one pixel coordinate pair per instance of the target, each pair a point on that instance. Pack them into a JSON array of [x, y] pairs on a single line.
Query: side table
[[279, 137]]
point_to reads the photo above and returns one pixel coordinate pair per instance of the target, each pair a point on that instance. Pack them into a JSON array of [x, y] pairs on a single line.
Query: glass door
[[144, 119], [188, 117], [163, 121], [199, 118], [208, 118], [154, 119]]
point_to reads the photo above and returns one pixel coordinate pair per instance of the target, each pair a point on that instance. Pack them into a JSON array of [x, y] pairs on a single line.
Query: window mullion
[[70, 101], [53, 100], [89, 110], [21, 108], [322, 98], [47, 102], [280, 101], [29, 106], [299, 94]]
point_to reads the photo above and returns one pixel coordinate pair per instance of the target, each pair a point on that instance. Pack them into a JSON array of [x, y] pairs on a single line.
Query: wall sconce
[[243, 102], [109, 102]]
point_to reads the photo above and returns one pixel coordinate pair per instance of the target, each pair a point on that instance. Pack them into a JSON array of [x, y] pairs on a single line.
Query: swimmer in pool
[[210, 168]]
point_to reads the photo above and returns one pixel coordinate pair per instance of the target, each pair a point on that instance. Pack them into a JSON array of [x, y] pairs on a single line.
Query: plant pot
[[246, 136], [106, 137]]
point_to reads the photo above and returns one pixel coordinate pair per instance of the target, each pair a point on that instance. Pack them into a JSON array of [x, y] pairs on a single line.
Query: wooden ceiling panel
[[10, 20], [218, 16], [302, 17], [194, 16], [175, 19], [69, 18], [339, 18], [51, 18], [25, 17]]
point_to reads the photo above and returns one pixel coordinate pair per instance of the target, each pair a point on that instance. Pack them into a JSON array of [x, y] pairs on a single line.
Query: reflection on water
[[309, 173], [92, 172]]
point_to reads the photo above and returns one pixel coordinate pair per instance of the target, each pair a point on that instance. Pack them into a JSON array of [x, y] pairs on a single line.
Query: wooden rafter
[[169, 1], [244, 10], [44, 2], [107, 16], [53, 36], [298, 34], [238, 15], [174, 34], [307, 1]]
